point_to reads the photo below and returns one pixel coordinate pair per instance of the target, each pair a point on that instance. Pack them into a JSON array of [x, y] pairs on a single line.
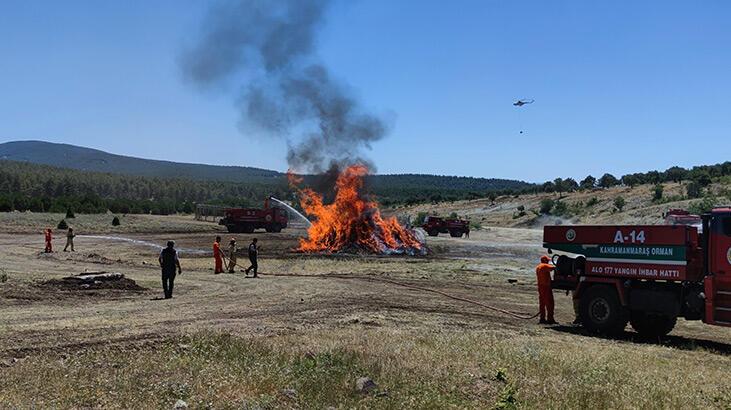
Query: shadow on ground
[[677, 342]]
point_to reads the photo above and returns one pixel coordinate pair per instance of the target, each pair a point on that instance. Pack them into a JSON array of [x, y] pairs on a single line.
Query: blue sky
[[619, 87]]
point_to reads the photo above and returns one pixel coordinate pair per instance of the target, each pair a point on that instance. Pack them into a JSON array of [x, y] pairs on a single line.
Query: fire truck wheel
[[433, 232], [247, 228], [455, 233], [601, 311], [652, 325]]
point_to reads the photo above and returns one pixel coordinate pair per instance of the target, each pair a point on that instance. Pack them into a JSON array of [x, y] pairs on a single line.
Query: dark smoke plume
[[269, 45]]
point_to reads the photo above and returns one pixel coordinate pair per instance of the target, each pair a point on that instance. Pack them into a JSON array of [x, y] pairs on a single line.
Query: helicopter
[[520, 103]]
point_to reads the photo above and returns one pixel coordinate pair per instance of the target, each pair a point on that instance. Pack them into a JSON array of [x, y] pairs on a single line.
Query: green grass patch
[[412, 369]]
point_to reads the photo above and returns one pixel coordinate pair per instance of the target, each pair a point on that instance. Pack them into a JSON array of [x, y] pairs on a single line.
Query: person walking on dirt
[[253, 254], [168, 262], [217, 257], [545, 293], [69, 240], [49, 238], [232, 255]]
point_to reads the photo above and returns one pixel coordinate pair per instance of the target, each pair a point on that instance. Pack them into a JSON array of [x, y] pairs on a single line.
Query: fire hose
[[516, 315]]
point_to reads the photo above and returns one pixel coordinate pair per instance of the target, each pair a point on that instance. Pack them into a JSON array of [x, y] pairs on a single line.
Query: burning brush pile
[[352, 223]]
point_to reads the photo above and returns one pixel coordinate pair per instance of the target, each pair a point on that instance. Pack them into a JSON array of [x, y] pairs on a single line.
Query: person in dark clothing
[[69, 240], [253, 253], [168, 262]]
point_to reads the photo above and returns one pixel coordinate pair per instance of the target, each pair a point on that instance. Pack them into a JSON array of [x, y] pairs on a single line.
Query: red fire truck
[[272, 219], [434, 225], [682, 217], [647, 275]]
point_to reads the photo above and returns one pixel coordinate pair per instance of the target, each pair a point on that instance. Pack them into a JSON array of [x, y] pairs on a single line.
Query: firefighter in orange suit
[[217, 255], [545, 293], [49, 239]]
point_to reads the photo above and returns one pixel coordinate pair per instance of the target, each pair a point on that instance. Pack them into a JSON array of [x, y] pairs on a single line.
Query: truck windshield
[[689, 220]]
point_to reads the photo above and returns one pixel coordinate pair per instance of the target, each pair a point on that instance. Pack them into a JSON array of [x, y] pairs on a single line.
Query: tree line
[[697, 177], [42, 188]]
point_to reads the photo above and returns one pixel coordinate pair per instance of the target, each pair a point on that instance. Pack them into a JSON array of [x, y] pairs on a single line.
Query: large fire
[[352, 222]]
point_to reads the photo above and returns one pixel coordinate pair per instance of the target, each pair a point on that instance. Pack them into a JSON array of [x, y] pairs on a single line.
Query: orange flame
[[351, 221], [293, 178]]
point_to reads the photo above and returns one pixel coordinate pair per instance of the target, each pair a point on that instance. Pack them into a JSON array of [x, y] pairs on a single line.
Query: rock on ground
[[365, 385], [180, 404]]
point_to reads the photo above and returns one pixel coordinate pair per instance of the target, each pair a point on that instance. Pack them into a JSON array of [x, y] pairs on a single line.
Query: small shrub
[[507, 398], [453, 215], [619, 203], [70, 214], [501, 375], [3, 276], [521, 212], [475, 225], [63, 224], [546, 206], [420, 217], [694, 190], [575, 208], [670, 198], [591, 202], [560, 208], [115, 221], [702, 206], [657, 192]]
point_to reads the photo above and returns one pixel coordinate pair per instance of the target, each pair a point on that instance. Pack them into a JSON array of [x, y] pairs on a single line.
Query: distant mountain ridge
[[88, 159]]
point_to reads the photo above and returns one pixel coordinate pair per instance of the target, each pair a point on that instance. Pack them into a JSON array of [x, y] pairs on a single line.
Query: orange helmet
[[545, 259]]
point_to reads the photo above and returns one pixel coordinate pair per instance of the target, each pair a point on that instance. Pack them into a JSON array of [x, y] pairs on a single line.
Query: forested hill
[[421, 181], [87, 159], [43, 188]]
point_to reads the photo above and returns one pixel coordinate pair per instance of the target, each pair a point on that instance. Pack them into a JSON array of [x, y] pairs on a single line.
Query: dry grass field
[[303, 333]]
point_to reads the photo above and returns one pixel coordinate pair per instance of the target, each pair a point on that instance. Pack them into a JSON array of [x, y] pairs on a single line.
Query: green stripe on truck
[[650, 252]]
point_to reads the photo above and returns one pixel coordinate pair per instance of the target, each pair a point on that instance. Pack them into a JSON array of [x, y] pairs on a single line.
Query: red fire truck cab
[[682, 217]]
